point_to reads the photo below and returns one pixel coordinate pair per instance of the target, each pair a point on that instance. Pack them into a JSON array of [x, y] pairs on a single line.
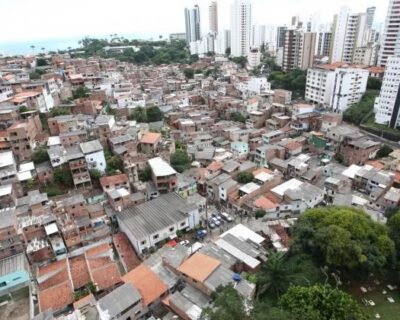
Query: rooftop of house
[[155, 215], [199, 266], [151, 138], [146, 282], [160, 167], [119, 300], [91, 146]]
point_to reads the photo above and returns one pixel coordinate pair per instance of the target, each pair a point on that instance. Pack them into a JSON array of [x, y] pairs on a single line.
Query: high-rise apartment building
[[370, 16], [387, 105], [338, 35], [241, 22], [258, 35], [280, 37], [299, 49], [336, 86], [324, 43], [350, 32], [192, 24], [213, 17], [223, 41], [355, 36], [390, 44]]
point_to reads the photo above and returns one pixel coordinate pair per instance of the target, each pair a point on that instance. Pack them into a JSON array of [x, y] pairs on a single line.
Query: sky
[[31, 20]]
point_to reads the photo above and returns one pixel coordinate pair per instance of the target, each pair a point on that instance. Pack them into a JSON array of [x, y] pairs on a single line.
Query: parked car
[[200, 234], [226, 217], [211, 224], [216, 221], [184, 242]]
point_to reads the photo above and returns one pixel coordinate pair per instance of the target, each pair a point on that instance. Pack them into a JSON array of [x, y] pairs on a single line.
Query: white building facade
[[241, 25], [390, 45], [387, 105], [336, 88]]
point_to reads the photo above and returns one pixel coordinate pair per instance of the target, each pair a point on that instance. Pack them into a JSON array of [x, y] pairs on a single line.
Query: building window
[[143, 242], [155, 236], [183, 224], [171, 229]]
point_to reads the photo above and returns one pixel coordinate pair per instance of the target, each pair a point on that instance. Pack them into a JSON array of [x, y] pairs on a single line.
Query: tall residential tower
[[241, 22], [192, 24], [390, 45], [213, 17]]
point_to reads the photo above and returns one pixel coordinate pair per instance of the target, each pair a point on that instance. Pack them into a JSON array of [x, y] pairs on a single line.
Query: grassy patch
[[387, 310]]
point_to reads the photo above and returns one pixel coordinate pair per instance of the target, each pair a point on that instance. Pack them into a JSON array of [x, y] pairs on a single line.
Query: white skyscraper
[[223, 41], [390, 45], [213, 17], [338, 35], [241, 22], [192, 24], [387, 105]]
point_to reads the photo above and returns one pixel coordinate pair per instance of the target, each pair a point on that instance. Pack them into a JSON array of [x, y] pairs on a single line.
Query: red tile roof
[[57, 297], [113, 180], [147, 282], [129, 258], [79, 271], [151, 138]]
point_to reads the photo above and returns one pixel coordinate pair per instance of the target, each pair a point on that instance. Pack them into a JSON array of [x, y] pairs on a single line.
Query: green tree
[[384, 151], [264, 311], [394, 230], [374, 83], [227, 52], [189, 73], [241, 61], [40, 62], [227, 305], [81, 92], [59, 112], [139, 114], [154, 114], [95, 174], [345, 238], [114, 165], [245, 177], [320, 302], [359, 111], [180, 160], [63, 177], [145, 174], [238, 117], [275, 276], [40, 155], [260, 213]]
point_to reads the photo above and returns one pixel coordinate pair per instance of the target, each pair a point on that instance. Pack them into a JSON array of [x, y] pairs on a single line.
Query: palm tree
[[33, 49], [275, 276], [43, 48]]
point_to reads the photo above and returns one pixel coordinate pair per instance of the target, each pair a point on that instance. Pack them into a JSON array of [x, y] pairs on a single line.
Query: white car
[[184, 242]]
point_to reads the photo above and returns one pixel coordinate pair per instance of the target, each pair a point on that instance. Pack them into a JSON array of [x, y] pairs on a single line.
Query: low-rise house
[[109, 183], [94, 155], [151, 222], [150, 142], [123, 303], [163, 175]]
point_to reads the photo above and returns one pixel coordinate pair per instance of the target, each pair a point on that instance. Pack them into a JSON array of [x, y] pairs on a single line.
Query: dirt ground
[[17, 308]]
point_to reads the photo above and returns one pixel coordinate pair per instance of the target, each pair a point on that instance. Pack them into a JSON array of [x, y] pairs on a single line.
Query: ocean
[[24, 47]]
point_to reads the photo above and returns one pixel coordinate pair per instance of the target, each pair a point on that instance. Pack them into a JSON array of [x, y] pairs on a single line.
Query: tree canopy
[[228, 305], [344, 237], [359, 111], [40, 155], [245, 177], [81, 92], [294, 81], [384, 151], [180, 160], [238, 117], [150, 114], [241, 61], [320, 302]]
